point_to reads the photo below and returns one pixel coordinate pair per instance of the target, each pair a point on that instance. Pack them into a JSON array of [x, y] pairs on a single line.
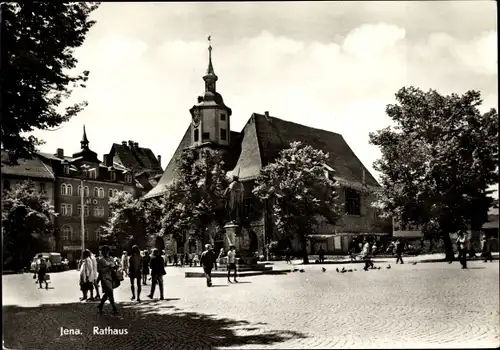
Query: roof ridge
[[295, 123], [43, 163]]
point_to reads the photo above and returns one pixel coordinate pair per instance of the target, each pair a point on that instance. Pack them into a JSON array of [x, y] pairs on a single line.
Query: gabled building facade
[[258, 144]]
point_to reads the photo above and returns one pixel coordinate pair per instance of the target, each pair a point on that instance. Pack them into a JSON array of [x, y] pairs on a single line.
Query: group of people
[[464, 247], [191, 259]]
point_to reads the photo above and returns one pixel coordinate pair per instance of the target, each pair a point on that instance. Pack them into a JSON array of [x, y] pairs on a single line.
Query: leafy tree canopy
[[196, 198], [301, 191], [26, 224], [437, 161], [38, 42]]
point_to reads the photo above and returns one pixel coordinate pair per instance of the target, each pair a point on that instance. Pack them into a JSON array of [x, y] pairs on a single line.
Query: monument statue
[[234, 194]]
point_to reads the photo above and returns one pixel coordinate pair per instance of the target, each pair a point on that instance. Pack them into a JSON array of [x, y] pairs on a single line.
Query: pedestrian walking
[[208, 261], [41, 271], [288, 255], [135, 272], [462, 249], [106, 267], [191, 256], [186, 259], [486, 249], [169, 260], [365, 254], [175, 260], [87, 276], [321, 254], [157, 265], [95, 280], [220, 257], [231, 263], [145, 267], [124, 263], [196, 259], [399, 251]]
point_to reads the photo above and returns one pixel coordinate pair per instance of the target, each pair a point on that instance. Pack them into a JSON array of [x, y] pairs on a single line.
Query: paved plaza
[[423, 305]]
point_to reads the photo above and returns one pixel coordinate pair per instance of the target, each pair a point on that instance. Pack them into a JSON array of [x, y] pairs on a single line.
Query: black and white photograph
[[249, 175]]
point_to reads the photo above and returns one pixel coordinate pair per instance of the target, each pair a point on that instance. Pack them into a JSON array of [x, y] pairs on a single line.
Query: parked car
[[54, 261]]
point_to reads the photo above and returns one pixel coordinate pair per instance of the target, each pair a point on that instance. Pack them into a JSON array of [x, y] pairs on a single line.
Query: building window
[[66, 232], [128, 178], [196, 135], [110, 193], [98, 234], [223, 134], [112, 175], [63, 189], [222, 116], [93, 173], [79, 210], [86, 191], [115, 192], [42, 188], [66, 169], [99, 211], [96, 192], [66, 209], [69, 190], [101, 192], [86, 233], [352, 202]]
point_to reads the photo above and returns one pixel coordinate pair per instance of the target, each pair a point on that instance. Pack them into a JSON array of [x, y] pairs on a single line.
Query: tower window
[[205, 135], [223, 134], [196, 135], [222, 116]]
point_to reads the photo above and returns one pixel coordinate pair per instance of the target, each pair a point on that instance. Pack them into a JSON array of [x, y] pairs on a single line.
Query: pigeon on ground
[[379, 267], [350, 270], [388, 267], [415, 263], [323, 269], [302, 270], [355, 270], [337, 269], [295, 270]]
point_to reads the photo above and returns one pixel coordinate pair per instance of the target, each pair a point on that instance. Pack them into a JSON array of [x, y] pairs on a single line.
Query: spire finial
[[85, 141], [210, 69]]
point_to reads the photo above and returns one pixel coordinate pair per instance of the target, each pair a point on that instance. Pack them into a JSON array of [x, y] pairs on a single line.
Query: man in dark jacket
[[399, 251], [208, 261], [157, 265]]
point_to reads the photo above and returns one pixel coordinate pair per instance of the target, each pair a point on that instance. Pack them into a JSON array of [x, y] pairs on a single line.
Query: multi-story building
[[100, 181], [258, 144]]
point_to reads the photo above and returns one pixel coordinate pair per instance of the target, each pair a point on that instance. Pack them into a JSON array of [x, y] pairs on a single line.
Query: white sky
[[330, 65]]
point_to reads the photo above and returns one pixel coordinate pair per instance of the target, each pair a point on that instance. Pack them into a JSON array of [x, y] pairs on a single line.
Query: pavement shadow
[[149, 325]]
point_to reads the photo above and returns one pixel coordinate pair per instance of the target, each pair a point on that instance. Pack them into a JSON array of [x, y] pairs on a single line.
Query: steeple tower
[[210, 116], [210, 77], [84, 142]]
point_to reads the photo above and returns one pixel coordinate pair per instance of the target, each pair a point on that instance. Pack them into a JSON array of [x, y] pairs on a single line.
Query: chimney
[[124, 143], [60, 153], [130, 144], [200, 99], [266, 113], [159, 159]]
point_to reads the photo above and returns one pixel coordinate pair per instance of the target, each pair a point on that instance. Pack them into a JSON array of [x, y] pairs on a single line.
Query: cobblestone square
[[406, 306]]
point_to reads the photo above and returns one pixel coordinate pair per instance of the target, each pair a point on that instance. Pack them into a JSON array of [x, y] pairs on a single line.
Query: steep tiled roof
[[261, 141], [33, 168], [274, 135], [136, 158]]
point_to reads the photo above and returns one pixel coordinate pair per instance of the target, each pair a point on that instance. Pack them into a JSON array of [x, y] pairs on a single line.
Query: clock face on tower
[[196, 117]]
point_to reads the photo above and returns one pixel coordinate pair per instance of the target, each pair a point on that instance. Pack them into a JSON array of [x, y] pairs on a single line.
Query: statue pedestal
[[234, 237], [232, 232]]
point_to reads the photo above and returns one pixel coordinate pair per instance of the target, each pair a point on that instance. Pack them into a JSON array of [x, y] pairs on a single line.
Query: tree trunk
[[304, 250], [448, 247]]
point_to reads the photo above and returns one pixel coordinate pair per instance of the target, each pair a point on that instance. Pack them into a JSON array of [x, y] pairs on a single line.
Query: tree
[[38, 42], [300, 190], [27, 226], [438, 161], [126, 225], [195, 200]]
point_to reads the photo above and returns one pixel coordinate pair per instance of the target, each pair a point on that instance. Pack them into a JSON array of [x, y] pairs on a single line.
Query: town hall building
[[257, 145]]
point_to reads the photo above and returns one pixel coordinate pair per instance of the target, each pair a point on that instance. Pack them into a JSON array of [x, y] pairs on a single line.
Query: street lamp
[[83, 168]]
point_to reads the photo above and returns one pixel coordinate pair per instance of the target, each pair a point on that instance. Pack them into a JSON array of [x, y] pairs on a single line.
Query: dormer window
[[128, 178], [66, 169], [92, 173], [112, 175]]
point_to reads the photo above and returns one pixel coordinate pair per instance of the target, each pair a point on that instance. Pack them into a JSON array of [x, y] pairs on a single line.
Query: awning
[[490, 225]]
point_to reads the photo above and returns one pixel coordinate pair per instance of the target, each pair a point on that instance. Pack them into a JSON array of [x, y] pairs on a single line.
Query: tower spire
[[84, 142], [210, 77]]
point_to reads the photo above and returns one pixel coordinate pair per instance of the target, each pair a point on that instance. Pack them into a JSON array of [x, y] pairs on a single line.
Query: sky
[[329, 65]]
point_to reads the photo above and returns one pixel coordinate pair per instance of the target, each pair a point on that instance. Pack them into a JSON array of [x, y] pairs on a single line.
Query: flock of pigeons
[[344, 270]]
